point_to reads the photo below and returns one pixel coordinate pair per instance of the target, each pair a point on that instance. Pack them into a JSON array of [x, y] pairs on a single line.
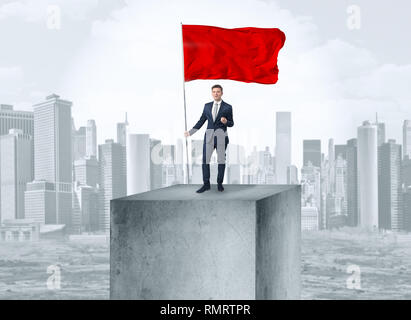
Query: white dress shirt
[[216, 105]]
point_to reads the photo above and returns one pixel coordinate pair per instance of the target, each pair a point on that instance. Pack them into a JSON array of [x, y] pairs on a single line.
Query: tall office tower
[[122, 132], [282, 146], [311, 190], [138, 163], [79, 143], [13, 119], [168, 168], [389, 186], [179, 162], [235, 157], [380, 131], [91, 138], [331, 166], [340, 150], [85, 195], [16, 171], [312, 152], [407, 209], [48, 198], [406, 172], [367, 163], [85, 208], [352, 183], [122, 140], [292, 174], [156, 164], [341, 183], [86, 171], [309, 218], [196, 161], [113, 182], [406, 138]]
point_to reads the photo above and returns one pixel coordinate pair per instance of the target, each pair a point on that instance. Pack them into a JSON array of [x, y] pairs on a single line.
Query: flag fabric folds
[[241, 54]]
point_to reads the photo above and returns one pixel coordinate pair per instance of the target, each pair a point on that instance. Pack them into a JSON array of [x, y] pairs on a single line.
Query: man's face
[[217, 93]]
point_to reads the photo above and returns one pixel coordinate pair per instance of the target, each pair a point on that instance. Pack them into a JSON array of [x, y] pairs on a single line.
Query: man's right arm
[[199, 124]]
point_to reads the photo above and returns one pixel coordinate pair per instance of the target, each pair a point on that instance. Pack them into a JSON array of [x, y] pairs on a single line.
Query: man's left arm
[[230, 121]]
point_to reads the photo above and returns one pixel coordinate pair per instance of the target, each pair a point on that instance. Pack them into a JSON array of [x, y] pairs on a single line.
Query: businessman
[[220, 116]]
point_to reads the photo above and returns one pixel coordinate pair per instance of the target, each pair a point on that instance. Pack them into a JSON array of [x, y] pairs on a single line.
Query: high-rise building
[[292, 174], [179, 162], [352, 183], [309, 218], [406, 138], [367, 175], [312, 152], [311, 190], [407, 209], [122, 128], [16, 168], [79, 143], [390, 207], [113, 182], [85, 208], [380, 131], [13, 119], [331, 166], [52, 163], [156, 164], [282, 146], [91, 139], [138, 163], [86, 171], [340, 150]]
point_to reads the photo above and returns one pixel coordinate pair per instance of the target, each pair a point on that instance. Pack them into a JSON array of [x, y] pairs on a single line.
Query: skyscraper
[[406, 136], [389, 186], [113, 182], [340, 149], [331, 166], [52, 163], [282, 146], [13, 119], [156, 164], [367, 175], [122, 140], [138, 163], [79, 143], [91, 139], [352, 183], [17, 170], [86, 171], [292, 174], [312, 152]]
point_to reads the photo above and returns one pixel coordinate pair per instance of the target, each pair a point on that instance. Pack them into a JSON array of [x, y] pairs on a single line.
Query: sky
[[115, 56]]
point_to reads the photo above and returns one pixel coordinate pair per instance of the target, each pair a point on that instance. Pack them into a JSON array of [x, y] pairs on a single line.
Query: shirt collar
[[219, 102]]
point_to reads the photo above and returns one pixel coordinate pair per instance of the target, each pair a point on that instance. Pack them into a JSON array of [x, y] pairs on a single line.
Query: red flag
[[242, 54]]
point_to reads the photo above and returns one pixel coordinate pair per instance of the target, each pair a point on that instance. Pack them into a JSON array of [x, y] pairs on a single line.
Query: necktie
[[215, 111]]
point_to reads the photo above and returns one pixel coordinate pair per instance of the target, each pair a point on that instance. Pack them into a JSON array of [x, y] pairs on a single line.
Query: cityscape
[[56, 180]]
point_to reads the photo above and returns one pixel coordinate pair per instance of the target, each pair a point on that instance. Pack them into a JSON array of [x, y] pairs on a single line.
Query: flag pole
[[185, 111]]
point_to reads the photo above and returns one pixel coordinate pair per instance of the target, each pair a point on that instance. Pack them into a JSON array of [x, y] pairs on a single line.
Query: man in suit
[[220, 116]]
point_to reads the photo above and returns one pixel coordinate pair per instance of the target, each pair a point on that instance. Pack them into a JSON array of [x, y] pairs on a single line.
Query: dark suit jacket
[[225, 110]]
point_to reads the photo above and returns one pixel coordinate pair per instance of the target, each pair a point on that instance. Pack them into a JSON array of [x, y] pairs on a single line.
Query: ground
[[384, 262]]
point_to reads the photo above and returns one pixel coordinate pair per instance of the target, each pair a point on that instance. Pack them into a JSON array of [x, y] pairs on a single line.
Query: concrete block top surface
[[187, 192]]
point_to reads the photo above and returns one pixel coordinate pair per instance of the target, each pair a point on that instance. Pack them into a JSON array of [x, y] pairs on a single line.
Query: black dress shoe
[[205, 187], [220, 187]]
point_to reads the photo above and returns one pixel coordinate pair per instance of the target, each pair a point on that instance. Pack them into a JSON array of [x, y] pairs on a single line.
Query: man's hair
[[217, 86]]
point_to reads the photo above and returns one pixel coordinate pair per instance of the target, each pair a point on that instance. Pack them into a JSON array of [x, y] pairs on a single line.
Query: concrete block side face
[[182, 250], [278, 246]]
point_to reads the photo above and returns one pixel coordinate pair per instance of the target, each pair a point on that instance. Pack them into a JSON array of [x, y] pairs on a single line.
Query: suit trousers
[[214, 140]]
